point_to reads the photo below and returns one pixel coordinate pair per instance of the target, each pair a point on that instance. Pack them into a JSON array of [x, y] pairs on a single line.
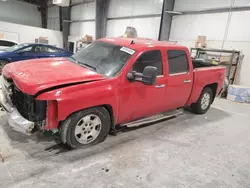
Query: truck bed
[[204, 75], [197, 63]]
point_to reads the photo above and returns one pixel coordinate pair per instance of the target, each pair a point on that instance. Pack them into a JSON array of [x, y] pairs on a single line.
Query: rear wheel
[[85, 128], [2, 63], [204, 102]]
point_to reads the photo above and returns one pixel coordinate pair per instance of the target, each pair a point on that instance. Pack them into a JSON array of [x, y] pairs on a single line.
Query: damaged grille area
[[30, 108]]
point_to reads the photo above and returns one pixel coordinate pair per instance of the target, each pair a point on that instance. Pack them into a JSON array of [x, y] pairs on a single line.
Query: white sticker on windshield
[[127, 50]]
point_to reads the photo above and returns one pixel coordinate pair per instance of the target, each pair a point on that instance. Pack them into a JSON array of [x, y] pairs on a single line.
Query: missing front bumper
[[20, 124], [16, 121]]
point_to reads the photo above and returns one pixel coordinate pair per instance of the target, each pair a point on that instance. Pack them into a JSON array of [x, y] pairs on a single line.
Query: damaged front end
[[25, 111]]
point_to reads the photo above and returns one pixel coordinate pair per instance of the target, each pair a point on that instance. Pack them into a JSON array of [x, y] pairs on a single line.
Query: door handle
[[160, 86], [187, 81]]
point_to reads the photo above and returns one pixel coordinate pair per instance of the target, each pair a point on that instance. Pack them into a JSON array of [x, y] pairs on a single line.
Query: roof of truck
[[139, 43]]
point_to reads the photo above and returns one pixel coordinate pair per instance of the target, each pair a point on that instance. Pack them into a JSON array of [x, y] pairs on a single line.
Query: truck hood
[[33, 76]]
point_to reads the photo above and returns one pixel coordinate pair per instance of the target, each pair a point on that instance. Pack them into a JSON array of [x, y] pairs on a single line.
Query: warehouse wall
[[186, 28], [27, 34], [53, 18], [21, 13], [147, 26], [83, 16]]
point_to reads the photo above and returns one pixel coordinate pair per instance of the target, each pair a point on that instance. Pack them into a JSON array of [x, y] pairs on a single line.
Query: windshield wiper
[[87, 65]]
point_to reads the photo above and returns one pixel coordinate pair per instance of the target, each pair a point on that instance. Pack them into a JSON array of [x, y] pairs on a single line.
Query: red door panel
[[138, 100], [178, 90], [180, 77]]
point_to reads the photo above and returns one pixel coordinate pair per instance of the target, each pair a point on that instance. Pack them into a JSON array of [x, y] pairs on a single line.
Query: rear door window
[[177, 62], [52, 50]]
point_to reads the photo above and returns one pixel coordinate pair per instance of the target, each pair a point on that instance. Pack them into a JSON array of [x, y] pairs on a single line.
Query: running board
[[155, 118]]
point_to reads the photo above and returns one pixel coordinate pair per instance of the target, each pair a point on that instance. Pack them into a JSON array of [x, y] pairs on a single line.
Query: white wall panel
[[116, 28], [144, 7], [19, 12], [53, 12], [120, 8], [28, 34], [188, 27], [83, 11], [53, 19], [146, 27], [239, 29], [82, 28], [182, 5], [74, 29], [242, 3]]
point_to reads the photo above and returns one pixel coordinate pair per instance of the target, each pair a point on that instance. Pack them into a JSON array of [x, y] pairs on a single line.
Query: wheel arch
[[108, 107], [214, 87]]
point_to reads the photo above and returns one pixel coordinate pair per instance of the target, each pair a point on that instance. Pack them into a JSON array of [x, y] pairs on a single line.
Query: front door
[[25, 54], [180, 78], [138, 100]]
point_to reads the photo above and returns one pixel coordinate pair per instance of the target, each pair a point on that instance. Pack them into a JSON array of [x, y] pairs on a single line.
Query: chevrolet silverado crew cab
[[111, 82]]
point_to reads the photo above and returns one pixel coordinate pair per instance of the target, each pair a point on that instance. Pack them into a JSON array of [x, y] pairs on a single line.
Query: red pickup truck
[[111, 82]]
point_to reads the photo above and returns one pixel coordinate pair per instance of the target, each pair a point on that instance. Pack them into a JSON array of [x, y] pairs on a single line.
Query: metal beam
[[166, 20], [216, 10], [101, 18], [81, 2], [65, 12], [86, 20], [138, 16], [44, 10]]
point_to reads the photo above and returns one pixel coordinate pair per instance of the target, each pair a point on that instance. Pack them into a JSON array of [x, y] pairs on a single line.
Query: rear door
[[180, 78]]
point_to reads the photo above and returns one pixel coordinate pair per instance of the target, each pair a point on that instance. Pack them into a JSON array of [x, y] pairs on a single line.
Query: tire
[[204, 102], [85, 128], [2, 63]]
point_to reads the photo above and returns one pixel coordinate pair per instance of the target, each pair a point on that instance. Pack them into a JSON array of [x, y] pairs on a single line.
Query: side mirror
[[148, 77]]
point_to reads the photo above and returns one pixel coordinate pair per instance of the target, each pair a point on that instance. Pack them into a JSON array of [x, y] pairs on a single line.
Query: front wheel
[[204, 102], [85, 128]]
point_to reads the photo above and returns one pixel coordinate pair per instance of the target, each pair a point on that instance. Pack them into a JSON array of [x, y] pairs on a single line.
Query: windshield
[[16, 47], [105, 58]]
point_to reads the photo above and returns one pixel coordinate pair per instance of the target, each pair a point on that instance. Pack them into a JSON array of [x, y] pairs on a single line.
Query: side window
[[51, 50], [149, 58], [177, 61], [39, 49], [27, 49]]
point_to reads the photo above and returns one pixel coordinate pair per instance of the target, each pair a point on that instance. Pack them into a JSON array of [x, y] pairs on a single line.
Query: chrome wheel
[[205, 101], [88, 129]]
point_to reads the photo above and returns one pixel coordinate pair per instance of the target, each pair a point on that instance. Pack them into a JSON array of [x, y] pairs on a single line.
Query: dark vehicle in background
[[30, 51], [6, 44]]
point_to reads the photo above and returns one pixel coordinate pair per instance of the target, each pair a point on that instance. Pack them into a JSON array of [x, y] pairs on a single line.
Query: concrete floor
[[211, 150]]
